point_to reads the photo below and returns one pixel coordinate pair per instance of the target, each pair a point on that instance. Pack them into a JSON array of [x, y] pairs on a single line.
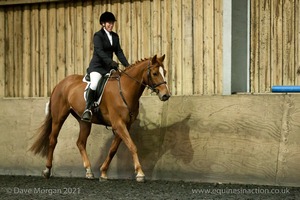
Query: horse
[[118, 109]]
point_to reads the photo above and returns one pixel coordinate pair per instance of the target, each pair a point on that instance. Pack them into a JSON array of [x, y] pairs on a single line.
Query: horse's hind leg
[[85, 129], [59, 115], [56, 126], [112, 151]]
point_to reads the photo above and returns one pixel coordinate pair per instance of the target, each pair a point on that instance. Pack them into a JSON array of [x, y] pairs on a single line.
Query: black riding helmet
[[107, 17]]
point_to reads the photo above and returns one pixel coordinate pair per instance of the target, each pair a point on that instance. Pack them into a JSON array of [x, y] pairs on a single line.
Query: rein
[[152, 87]]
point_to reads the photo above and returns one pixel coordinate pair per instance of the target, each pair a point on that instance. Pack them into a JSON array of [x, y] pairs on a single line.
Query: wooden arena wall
[[275, 44], [251, 139], [43, 42]]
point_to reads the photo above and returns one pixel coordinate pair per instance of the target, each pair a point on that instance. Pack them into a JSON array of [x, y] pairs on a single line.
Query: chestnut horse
[[119, 108]]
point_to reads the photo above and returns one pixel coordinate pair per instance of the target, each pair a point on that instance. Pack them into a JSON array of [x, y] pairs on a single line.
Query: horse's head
[[156, 78]]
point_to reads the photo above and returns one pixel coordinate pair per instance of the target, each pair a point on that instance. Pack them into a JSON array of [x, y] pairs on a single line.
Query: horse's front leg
[[122, 131], [85, 129], [112, 151]]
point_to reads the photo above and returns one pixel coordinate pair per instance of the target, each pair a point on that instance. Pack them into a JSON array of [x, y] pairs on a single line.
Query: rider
[[106, 42]]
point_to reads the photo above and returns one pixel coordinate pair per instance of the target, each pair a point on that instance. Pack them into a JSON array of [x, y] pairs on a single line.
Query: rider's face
[[109, 26]]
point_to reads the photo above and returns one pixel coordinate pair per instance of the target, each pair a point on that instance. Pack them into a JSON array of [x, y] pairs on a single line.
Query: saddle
[[100, 87]]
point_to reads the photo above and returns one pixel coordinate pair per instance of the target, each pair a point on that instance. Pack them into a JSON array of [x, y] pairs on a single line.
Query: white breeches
[[95, 77]]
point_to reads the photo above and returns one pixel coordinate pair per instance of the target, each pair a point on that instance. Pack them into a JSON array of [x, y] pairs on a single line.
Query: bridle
[[152, 87], [150, 80], [150, 84]]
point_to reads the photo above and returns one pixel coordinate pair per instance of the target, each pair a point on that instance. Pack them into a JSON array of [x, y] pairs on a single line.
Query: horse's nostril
[[165, 97]]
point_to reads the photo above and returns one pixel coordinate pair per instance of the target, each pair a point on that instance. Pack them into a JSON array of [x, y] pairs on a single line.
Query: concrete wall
[[238, 139]]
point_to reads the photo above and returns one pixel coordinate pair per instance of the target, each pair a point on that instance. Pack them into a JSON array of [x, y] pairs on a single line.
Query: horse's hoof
[[140, 179], [46, 173], [102, 179], [89, 176]]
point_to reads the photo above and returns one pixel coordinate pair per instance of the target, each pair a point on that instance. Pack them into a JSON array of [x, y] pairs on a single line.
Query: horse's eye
[[155, 74]]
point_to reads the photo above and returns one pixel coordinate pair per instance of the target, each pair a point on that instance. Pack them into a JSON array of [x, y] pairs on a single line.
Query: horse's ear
[[161, 59], [154, 59]]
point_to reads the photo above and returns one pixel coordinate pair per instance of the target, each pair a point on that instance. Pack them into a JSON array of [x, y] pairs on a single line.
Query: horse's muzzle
[[165, 97]]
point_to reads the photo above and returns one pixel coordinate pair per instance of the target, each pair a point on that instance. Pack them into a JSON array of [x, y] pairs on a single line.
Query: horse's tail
[[41, 144]]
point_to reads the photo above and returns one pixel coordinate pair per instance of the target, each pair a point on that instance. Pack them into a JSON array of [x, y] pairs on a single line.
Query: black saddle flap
[[101, 85]]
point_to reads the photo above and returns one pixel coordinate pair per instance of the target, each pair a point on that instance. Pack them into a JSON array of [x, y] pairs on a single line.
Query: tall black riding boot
[[87, 114]]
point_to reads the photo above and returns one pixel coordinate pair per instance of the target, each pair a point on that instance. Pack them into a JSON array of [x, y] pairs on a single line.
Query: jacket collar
[[106, 36]]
